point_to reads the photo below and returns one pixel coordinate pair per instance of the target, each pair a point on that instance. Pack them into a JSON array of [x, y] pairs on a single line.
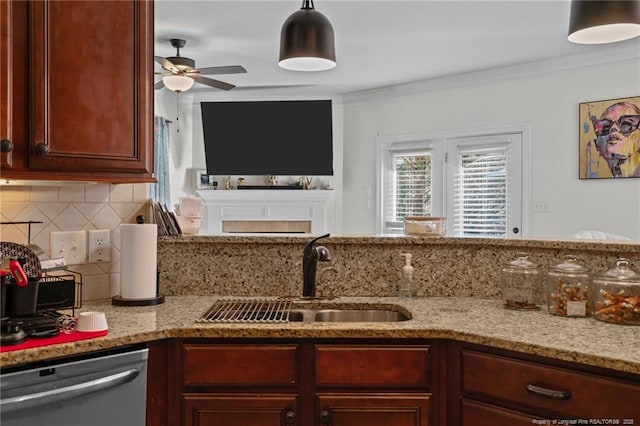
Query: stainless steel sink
[[359, 315], [262, 311]]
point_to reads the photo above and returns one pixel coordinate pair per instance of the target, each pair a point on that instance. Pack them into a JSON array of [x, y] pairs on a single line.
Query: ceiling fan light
[[603, 21], [177, 83], [307, 41]]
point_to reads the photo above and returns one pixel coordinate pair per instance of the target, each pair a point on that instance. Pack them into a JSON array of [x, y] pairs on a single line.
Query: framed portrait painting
[[610, 139]]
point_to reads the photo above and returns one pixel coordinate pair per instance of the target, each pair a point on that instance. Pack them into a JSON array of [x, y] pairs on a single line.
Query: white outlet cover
[[70, 245], [99, 245]]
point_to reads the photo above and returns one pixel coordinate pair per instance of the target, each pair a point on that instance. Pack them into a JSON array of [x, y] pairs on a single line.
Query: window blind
[[481, 186], [408, 189]]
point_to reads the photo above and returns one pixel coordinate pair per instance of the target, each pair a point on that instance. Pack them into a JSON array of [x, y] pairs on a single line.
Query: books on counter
[[166, 220]]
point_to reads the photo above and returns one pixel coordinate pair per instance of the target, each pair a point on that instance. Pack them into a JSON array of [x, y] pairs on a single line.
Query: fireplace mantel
[[262, 206]]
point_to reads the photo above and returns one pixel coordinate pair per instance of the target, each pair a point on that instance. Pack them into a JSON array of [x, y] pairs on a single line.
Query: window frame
[[441, 143], [407, 143], [512, 144]]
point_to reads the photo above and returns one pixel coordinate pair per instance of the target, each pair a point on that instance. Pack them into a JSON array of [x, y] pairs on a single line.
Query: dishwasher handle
[[33, 400]]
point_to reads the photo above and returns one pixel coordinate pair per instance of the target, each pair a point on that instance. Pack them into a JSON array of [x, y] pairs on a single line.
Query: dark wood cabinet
[[158, 383], [77, 90], [498, 387], [238, 384], [365, 409], [218, 409], [354, 382], [373, 384], [304, 383]]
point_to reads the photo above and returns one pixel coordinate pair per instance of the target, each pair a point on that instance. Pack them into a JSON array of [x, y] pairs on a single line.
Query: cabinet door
[[239, 410], [13, 84], [366, 409], [92, 89]]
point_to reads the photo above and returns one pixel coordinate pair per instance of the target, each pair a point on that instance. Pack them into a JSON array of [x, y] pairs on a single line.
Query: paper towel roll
[[138, 260]]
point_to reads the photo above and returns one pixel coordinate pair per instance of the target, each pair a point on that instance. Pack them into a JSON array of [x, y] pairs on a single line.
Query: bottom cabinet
[[239, 409], [496, 387], [366, 409], [306, 382]]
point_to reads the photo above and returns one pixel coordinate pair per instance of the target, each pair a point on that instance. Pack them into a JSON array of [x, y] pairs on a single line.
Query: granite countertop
[[483, 321]]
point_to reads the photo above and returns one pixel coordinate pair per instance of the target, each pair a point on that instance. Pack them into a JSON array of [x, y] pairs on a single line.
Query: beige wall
[[69, 208]]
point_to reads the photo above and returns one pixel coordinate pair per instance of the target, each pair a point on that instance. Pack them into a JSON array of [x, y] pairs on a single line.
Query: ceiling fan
[[181, 71]]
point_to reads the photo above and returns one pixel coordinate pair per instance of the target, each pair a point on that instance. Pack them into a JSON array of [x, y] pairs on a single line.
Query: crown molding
[[625, 53]]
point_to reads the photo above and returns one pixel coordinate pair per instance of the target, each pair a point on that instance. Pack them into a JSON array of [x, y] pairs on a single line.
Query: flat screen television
[[281, 138]]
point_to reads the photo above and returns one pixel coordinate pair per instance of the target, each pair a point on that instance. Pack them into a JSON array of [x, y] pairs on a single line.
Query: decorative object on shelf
[[227, 184], [603, 21], [181, 72], [609, 140], [272, 179], [307, 41], [308, 181], [204, 180], [240, 181], [328, 185]]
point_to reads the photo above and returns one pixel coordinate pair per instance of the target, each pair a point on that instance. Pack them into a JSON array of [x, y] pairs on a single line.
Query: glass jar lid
[[621, 273], [569, 266], [521, 264]]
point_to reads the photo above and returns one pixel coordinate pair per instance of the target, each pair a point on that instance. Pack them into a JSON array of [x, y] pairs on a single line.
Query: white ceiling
[[378, 43]]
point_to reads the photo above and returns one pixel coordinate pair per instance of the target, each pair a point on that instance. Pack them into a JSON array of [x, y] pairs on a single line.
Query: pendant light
[[603, 21], [306, 41]]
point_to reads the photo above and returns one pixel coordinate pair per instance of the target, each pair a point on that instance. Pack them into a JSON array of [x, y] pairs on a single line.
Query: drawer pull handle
[[548, 393]]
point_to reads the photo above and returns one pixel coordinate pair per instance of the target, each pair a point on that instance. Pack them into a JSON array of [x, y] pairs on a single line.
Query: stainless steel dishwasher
[[106, 389]]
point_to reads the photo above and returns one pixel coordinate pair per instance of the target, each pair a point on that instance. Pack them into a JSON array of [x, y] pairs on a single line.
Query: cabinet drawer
[[576, 394], [236, 365], [477, 414], [385, 366]]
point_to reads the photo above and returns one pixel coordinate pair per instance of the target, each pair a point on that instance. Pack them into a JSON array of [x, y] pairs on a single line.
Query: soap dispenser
[[406, 286]]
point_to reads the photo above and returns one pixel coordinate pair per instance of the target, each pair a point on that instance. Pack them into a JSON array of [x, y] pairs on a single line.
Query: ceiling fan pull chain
[[177, 112]]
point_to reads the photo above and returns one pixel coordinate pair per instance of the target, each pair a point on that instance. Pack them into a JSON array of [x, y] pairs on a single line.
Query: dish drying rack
[[60, 289], [257, 311]]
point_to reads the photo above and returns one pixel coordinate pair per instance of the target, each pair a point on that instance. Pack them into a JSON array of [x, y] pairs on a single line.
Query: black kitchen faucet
[[312, 254]]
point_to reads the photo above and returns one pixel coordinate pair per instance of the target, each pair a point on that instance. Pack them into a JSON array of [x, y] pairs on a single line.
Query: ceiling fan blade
[[158, 85], [229, 69], [211, 82], [166, 64]]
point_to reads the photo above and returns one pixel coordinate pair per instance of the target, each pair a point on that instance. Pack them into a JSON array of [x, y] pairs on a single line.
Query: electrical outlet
[[70, 245], [99, 245], [541, 206]]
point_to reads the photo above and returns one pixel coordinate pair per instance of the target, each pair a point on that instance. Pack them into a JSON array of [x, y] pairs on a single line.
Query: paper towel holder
[[119, 301], [149, 301]]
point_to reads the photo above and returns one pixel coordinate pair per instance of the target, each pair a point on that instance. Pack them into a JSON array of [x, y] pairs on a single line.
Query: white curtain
[[160, 191]]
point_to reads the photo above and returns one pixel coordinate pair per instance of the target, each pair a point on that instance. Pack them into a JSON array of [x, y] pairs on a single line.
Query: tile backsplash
[[70, 208]]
